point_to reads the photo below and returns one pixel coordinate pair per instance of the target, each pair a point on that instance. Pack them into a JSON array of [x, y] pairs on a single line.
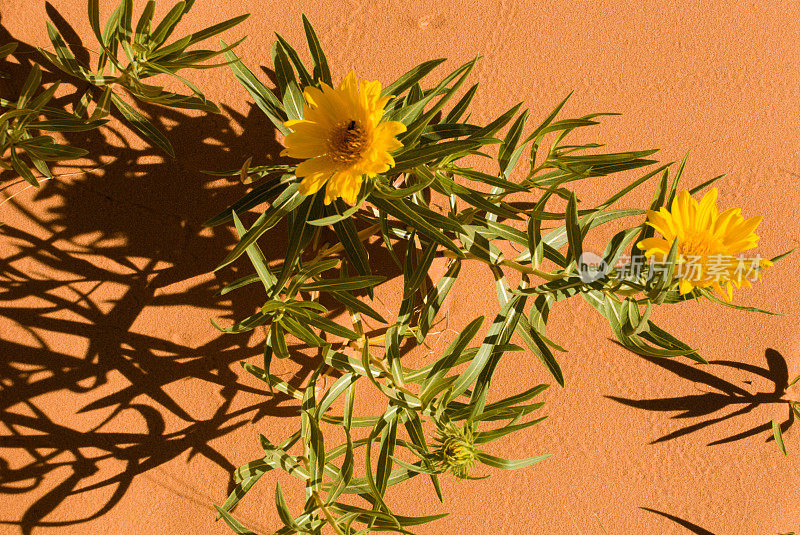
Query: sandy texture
[[124, 411]]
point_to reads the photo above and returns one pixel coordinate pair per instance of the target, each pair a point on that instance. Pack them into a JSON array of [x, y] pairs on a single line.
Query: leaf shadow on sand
[[693, 528], [724, 401]]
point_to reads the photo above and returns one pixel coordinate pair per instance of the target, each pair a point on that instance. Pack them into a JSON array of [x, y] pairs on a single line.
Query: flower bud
[[457, 450]]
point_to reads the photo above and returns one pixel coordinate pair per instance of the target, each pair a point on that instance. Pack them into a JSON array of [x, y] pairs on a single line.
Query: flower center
[[348, 142], [699, 243]]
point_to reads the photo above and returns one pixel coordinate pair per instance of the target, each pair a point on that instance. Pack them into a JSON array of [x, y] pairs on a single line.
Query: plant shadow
[[693, 528], [710, 404], [85, 264]]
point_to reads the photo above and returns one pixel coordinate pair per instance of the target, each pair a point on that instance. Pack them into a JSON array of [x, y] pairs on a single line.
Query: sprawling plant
[[145, 54], [401, 172], [23, 121], [393, 168], [128, 57]]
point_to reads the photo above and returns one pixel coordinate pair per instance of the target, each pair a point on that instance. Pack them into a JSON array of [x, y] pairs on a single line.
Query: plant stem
[[328, 516], [338, 248], [528, 270]]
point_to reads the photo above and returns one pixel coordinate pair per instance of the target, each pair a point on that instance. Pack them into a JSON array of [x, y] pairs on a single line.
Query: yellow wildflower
[[341, 138], [709, 244]]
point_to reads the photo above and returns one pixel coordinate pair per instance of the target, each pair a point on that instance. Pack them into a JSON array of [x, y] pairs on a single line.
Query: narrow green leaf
[[353, 247], [167, 25], [538, 131], [126, 21], [630, 187], [302, 72], [497, 331], [778, 434], [346, 472], [508, 149], [782, 255], [673, 190], [30, 86], [664, 278], [145, 127], [480, 390], [264, 98], [21, 168], [261, 193], [479, 202], [277, 383], [440, 131], [283, 509], [461, 106], [536, 343], [415, 129], [435, 298], [489, 179], [349, 283], [287, 201], [357, 305], [256, 257], [7, 49], [143, 25], [316, 449], [329, 326], [300, 331], [574, 237], [300, 235], [110, 42], [793, 381], [283, 69], [420, 273], [246, 325], [103, 105], [430, 153], [713, 297], [384, 467], [202, 35], [65, 56], [484, 437], [372, 486], [497, 462], [234, 524], [293, 101], [432, 384], [410, 78], [402, 211], [321, 70], [704, 185], [94, 18], [341, 385], [239, 491], [277, 340]]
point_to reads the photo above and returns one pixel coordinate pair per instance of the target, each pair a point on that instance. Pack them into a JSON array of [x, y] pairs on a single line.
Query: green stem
[[338, 248], [328, 516], [528, 270]]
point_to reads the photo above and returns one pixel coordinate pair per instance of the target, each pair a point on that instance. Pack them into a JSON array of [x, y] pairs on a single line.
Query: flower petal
[[316, 165], [312, 183]]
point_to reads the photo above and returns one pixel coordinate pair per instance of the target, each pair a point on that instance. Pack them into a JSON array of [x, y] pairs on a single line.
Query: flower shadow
[[708, 405]]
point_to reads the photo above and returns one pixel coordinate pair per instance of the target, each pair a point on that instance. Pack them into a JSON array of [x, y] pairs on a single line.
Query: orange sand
[[106, 286]]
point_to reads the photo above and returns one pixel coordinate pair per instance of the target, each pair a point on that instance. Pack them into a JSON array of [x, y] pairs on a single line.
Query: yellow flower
[[341, 138], [709, 244]]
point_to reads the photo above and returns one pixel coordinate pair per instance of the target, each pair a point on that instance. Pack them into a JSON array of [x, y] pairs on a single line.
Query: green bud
[[457, 450]]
